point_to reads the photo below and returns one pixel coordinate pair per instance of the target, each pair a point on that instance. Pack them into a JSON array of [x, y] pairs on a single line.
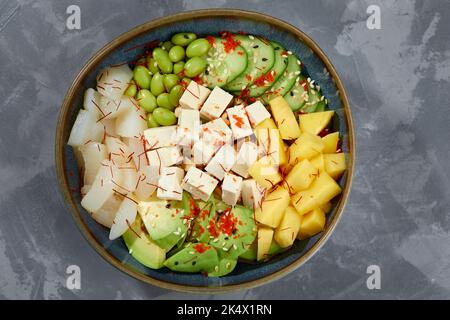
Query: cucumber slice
[[223, 66], [313, 101], [280, 64], [261, 57], [286, 81], [296, 97]]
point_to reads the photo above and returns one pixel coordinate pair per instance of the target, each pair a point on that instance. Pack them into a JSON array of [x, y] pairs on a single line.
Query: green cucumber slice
[[296, 97]]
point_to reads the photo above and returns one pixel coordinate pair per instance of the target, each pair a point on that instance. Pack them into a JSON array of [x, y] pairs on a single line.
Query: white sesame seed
[[224, 244], [216, 268], [228, 265], [289, 52], [234, 246], [216, 240], [225, 249], [251, 37], [308, 79], [191, 252]]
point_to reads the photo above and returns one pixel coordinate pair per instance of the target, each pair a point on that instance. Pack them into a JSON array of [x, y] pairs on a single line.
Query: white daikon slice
[[86, 128], [92, 102], [93, 155], [118, 151], [114, 80], [148, 177], [136, 146], [131, 123], [111, 109], [106, 214], [125, 216]]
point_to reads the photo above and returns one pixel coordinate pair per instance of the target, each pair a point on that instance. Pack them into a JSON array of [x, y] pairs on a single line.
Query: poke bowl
[[150, 150]]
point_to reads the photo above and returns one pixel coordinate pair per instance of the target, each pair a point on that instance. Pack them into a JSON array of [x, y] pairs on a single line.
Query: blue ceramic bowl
[[130, 45]]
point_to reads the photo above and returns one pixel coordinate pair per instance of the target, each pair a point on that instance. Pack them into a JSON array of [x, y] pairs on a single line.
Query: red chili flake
[[304, 85], [195, 210], [197, 79], [201, 230], [211, 40], [240, 53], [229, 42], [204, 214], [227, 222], [239, 121], [261, 80], [212, 229]]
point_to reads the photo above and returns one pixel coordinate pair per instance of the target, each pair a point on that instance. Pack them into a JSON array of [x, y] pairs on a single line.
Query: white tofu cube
[[269, 144], [252, 194], [165, 157], [231, 189], [216, 133], [188, 130], [160, 137], [194, 95], [199, 184], [257, 113], [222, 162], [202, 152], [216, 103], [239, 122], [169, 184], [247, 155]]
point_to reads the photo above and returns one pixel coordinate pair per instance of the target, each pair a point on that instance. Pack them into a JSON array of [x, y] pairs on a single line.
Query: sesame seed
[[225, 249], [234, 246], [228, 265], [191, 252], [216, 268], [251, 37], [224, 244], [289, 52]]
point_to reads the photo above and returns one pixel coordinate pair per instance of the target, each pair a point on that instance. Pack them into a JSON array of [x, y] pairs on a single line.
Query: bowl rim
[[60, 163]]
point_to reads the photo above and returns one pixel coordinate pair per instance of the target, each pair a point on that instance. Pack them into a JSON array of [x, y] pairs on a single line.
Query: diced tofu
[[216, 133], [222, 162], [188, 130], [199, 184], [239, 122], [194, 96], [169, 184], [202, 152], [165, 157], [216, 103], [252, 194], [231, 189], [247, 155], [257, 113], [160, 137]]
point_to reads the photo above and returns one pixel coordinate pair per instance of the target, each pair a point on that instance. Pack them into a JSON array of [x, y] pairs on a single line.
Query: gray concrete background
[[397, 79]]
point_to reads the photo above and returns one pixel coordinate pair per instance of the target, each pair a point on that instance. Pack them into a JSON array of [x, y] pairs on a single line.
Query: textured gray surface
[[397, 79]]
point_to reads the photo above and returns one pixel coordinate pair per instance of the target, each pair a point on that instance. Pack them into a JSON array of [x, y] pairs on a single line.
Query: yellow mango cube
[[265, 172], [318, 162], [284, 118], [265, 236], [330, 142], [272, 208], [312, 223], [334, 164], [300, 176], [315, 122], [270, 124], [307, 146], [326, 207], [288, 229], [304, 202], [271, 144]]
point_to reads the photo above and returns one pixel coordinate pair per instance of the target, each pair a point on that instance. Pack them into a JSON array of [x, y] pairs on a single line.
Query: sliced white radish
[[148, 177], [125, 216], [131, 123], [136, 146], [92, 102], [111, 109], [113, 81], [110, 127], [86, 128], [93, 154], [118, 151], [106, 214]]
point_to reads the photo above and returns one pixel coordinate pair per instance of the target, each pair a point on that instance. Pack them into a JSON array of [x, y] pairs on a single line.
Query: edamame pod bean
[[164, 117], [178, 67], [197, 48], [176, 53], [146, 100], [152, 65], [131, 90], [194, 66], [162, 59], [167, 45], [170, 80], [175, 94], [157, 84], [142, 77], [183, 39], [163, 101], [151, 122]]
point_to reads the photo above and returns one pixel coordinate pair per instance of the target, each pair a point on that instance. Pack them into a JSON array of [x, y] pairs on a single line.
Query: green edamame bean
[[178, 67], [197, 48], [183, 39], [167, 45], [175, 94], [176, 53], [142, 77], [163, 101], [170, 80], [194, 66], [146, 100], [131, 90], [152, 65], [162, 59], [151, 122], [157, 84], [164, 117]]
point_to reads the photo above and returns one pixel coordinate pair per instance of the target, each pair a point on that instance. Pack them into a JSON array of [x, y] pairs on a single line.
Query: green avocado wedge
[[194, 258], [226, 265]]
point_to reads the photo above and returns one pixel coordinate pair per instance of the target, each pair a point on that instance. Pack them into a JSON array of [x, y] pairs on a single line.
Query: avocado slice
[[163, 221], [197, 257], [226, 265], [250, 254], [142, 248]]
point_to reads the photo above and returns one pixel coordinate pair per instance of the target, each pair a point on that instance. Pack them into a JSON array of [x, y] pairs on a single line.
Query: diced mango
[[266, 124], [330, 142], [270, 124], [288, 229], [272, 208], [284, 118], [304, 201], [271, 144], [318, 162], [334, 164], [326, 207], [300, 176], [315, 122], [307, 146], [265, 172], [313, 222], [265, 236]]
